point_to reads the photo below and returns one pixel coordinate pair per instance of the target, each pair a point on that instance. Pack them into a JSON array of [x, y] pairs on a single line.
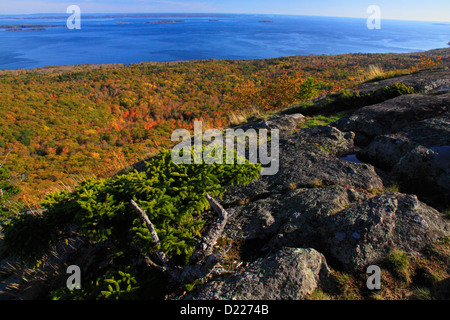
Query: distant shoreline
[[444, 52], [39, 16]]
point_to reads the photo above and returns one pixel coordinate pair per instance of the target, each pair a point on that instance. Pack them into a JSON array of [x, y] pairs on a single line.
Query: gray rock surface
[[284, 123], [309, 158], [392, 115], [365, 232], [291, 218], [426, 81], [289, 274], [426, 170], [387, 150], [408, 136]]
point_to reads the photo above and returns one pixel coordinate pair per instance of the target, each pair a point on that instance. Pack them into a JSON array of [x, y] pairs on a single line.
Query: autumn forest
[[62, 125]]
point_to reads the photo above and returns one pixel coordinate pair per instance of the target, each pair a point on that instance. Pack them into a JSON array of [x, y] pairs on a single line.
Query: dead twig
[[203, 260]]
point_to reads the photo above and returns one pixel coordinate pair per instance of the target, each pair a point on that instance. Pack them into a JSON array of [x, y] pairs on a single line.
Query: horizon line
[[12, 15]]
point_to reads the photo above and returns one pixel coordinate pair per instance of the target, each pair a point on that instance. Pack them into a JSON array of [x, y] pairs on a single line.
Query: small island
[[28, 27], [166, 21]]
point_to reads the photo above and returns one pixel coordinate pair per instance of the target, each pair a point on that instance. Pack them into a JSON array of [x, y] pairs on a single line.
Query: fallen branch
[[206, 247], [202, 269], [154, 235], [203, 260]]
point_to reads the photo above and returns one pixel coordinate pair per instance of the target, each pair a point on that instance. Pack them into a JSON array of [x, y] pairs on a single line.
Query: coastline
[[444, 52]]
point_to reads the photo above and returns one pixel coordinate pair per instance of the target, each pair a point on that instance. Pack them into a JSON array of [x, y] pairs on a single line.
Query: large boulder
[[386, 151], [426, 171], [314, 167], [418, 156], [289, 274], [392, 115], [365, 232], [306, 212]]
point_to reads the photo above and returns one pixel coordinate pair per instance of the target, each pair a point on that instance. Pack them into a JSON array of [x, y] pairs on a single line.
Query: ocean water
[[130, 39]]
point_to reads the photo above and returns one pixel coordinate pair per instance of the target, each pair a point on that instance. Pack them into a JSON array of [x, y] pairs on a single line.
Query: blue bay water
[[130, 39]]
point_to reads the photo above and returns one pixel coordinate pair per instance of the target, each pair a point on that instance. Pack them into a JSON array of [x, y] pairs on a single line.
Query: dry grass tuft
[[242, 116]]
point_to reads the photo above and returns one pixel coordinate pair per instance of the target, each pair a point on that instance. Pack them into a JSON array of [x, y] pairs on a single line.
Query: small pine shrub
[[113, 285], [172, 195], [307, 90], [397, 89]]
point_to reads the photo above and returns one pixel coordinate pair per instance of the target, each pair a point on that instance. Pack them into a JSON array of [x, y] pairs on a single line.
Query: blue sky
[[430, 10]]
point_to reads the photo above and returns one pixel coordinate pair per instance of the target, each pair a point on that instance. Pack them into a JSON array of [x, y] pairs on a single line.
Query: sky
[[428, 10]]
